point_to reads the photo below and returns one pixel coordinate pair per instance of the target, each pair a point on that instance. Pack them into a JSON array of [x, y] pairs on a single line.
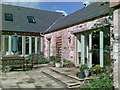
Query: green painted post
[[101, 48]]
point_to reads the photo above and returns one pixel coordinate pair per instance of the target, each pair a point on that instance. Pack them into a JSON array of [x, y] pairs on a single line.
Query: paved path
[[28, 79]]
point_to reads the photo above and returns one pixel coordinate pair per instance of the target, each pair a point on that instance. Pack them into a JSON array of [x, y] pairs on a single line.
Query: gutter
[[52, 25]]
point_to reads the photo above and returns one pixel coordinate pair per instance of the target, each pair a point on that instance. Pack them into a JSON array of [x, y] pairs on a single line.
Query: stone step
[[69, 82], [74, 86], [71, 76]]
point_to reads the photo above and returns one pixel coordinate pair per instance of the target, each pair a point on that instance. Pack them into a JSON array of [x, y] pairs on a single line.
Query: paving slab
[[27, 79]]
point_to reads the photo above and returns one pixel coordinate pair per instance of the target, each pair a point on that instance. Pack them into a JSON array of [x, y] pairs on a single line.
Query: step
[[69, 82], [71, 76]]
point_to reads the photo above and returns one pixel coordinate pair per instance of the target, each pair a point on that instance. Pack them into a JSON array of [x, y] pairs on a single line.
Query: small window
[[31, 19], [8, 17]]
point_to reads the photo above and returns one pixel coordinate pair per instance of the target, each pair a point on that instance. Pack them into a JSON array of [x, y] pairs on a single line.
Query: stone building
[[72, 37], [115, 55], [27, 24]]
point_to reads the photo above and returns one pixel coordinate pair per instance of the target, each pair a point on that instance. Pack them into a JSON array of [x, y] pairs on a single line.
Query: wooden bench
[[13, 62]]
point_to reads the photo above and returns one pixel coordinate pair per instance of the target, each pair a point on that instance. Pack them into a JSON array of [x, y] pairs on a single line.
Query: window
[[31, 19], [8, 17]]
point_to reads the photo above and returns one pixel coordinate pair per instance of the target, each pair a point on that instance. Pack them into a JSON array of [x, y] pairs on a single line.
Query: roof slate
[[44, 19], [82, 15]]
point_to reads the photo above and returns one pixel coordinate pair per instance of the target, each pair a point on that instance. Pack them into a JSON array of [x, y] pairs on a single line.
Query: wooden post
[[23, 45], [83, 49], [41, 44], [76, 51], [10, 45], [90, 47], [2, 44], [36, 44], [101, 49], [30, 45]]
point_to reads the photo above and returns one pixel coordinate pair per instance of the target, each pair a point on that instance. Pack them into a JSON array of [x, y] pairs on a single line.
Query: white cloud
[[63, 12]]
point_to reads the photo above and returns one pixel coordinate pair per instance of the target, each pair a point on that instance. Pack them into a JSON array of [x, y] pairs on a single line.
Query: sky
[[68, 7]]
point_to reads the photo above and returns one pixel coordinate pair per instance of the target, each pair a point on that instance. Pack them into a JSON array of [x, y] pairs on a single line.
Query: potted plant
[[67, 63], [52, 59], [57, 62], [81, 73], [86, 70]]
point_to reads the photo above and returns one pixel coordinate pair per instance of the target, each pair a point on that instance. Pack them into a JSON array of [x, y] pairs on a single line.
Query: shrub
[[98, 69], [83, 67], [52, 58], [42, 60], [104, 81], [40, 53], [57, 60], [67, 63]]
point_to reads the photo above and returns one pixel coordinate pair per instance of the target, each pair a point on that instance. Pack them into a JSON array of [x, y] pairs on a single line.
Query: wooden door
[[58, 46]]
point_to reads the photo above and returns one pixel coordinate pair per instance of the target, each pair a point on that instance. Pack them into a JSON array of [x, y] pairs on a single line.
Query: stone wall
[[114, 3], [68, 39], [67, 44], [116, 48]]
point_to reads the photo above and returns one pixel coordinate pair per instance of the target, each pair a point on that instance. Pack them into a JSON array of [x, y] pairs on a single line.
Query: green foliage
[[67, 62], [104, 81], [57, 60], [40, 53], [52, 58], [83, 67], [98, 69], [43, 60], [50, 64]]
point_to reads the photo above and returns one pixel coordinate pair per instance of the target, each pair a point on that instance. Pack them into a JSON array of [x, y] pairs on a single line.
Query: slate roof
[[82, 15], [44, 19]]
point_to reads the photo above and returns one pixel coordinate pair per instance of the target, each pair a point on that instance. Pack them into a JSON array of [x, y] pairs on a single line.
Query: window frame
[[31, 19], [8, 18]]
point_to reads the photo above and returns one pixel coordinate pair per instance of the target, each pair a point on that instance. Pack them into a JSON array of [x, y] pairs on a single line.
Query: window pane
[[38, 43], [33, 44], [31, 19], [6, 43], [20, 45], [8, 17], [27, 45]]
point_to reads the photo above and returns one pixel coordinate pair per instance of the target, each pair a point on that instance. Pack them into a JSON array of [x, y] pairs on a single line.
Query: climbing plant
[[106, 26]]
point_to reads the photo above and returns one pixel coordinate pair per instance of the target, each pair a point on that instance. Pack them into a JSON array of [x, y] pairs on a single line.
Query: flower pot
[[57, 64], [81, 75], [87, 72], [51, 66]]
